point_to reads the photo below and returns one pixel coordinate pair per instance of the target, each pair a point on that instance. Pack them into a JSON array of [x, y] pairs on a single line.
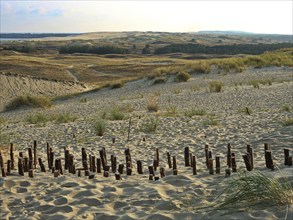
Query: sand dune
[[179, 196]]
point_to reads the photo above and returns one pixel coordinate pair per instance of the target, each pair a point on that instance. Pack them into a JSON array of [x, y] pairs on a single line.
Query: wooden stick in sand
[[139, 167], [43, 169], [229, 162], [20, 166], [169, 160], [35, 154], [175, 172], [186, 156], [286, 156], [194, 171], [218, 165], [250, 152], [12, 156]]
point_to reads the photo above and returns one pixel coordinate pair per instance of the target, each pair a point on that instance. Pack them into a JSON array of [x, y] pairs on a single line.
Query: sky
[[57, 16]]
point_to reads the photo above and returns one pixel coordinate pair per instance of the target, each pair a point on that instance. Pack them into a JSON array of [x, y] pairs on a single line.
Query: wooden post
[[56, 173], [35, 154], [218, 166], [105, 155], [206, 150], [286, 156], [269, 160], [175, 172], [120, 168], [162, 172], [60, 167], [103, 160], [2, 165], [151, 177], [211, 166], [190, 157], [11, 156], [31, 173], [157, 178], [48, 155], [83, 157], [113, 140], [79, 173], [128, 156], [129, 128], [129, 171], [250, 152], [51, 158], [151, 170], [94, 168], [8, 167], [25, 164], [139, 167], [266, 147], [169, 160], [42, 165], [113, 163], [233, 162], [194, 172], [157, 157], [210, 156], [155, 164], [91, 176], [186, 156], [20, 154], [229, 162], [99, 165], [91, 163], [118, 176], [106, 171], [20, 166], [66, 159], [247, 162], [30, 158]]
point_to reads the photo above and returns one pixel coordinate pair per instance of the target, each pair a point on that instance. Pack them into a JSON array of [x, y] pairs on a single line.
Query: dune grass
[[65, 118], [152, 105], [38, 118], [100, 126], [216, 86], [28, 101], [150, 125], [194, 111], [254, 188], [288, 122]]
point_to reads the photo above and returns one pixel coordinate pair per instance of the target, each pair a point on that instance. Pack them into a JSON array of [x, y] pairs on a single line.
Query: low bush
[[150, 125], [182, 77], [216, 86], [65, 118], [100, 127], [192, 112], [153, 105], [28, 101]]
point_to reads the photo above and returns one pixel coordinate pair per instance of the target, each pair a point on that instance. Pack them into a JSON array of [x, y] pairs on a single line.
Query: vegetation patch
[[182, 77], [116, 114], [159, 80], [150, 125], [216, 86], [28, 101], [38, 118], [210, 122], [117, 85], [65, 118], [100, 127], [285, 108], [192, 112], [152, 105], [288, 122]]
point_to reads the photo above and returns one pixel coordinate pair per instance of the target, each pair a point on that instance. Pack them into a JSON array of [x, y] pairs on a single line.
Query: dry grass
[[216, 86], [153, 104]]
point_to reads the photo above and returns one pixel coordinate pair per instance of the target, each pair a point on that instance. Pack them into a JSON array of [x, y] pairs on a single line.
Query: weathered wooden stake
[[8, 167], [290, 161], [218, 165], [51, 158], [42, 165], [66, 159], [25, 164], [162, 172], [139, 167], [227, 172], [118, 176], [30, 158], [20, 166], [155, 164], [99, 165], [169, 160], [194, 171], [269, 159], [48, 155], [233, 162], [211, 166], [12, 156], [186, 156], [113, 163], [250, 152], [129, 171], [151, 170], [246, 158], [157, 157], [229, 162], [175, 172], [286, 156], [120, 168], [31, 173], [94, 168], [206, 150], [35, 154]]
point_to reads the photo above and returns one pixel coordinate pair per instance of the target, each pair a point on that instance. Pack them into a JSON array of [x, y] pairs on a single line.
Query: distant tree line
[[21, 49], [221, 49], [34, 35], [92, 49]]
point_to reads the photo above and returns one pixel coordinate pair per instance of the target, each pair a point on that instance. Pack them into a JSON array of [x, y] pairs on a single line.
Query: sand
[[135, 196]]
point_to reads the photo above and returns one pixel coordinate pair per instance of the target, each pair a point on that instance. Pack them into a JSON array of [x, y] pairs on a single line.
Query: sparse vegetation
[[288, 122], [2, 120], [192, 112], [83, 100], [285, 108], [182, 77], [216, 86], [159, 80], [172, 111], [116, 114], [100, 127], [255, 188], [210, 122], [28, 101], [117, 85], [153, 104], [65, 118], [38, 118], [150, 125]]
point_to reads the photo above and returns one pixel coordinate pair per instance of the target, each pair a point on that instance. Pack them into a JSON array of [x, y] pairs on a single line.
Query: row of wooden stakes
[[92, 165]]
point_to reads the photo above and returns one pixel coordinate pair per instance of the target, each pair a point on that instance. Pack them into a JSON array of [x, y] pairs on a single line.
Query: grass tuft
[[150, 125], [192, 112], [100, 127], [153, 106], [116, 114], [288, 122], [255, 188], [286, 108], [28, 101], [182, 77], [38, 118], [216, 86], [65, 118]]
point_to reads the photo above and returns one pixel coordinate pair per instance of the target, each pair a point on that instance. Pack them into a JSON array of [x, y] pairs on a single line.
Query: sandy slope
[[135, 197], [15, 85]]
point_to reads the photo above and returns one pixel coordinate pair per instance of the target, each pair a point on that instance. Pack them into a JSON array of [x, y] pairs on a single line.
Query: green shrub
[[172, 111], [286, 108], [190, 113], [100, 127], [83, 100], [159, 80], [38, 118], [65, 118], [150, 126], [29, 101], [116, 114], [288, 122], [210, 122], [216, 86], [254, 83], [117, 85], [255, 188], [182, 77], [153, 105]]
